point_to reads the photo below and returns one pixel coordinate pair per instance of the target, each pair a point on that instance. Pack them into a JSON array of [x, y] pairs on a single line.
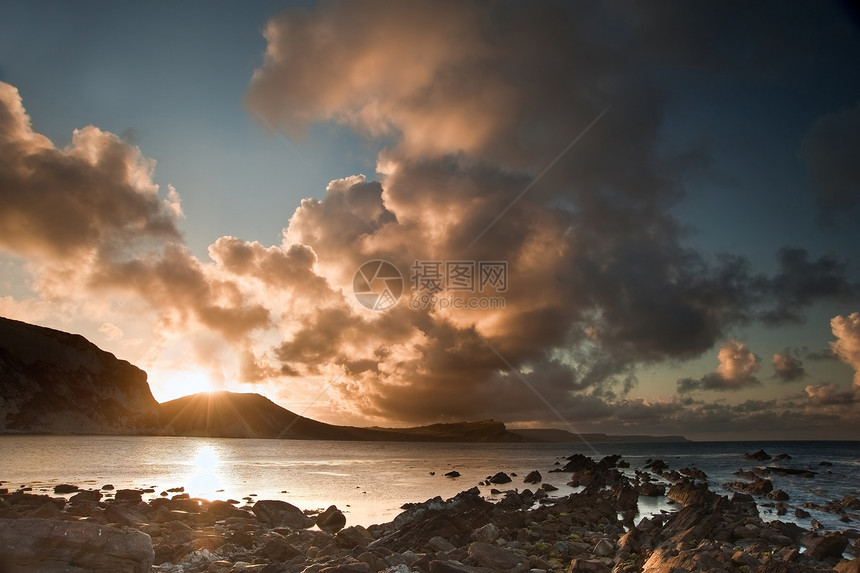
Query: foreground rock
[[51, 545]]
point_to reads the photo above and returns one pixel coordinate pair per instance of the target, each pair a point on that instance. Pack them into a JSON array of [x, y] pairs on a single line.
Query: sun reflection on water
[[206, 479]]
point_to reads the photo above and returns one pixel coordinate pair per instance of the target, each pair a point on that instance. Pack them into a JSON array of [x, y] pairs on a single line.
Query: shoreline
[[597, 529]]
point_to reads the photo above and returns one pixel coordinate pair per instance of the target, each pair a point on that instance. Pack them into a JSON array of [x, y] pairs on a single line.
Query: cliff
[[60, 383]]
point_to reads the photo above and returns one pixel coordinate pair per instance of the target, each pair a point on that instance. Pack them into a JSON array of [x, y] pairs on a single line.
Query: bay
[[370, 481]]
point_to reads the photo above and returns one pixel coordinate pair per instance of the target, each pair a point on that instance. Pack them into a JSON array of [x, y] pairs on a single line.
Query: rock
[[91, 496], [276, 513], [831, 545], [65, 488], [588, 566], [850, 502], [500, 477], [759, 456], [494, 557], [128, 495], [276, 548], [848, 566], [353, 537], [691, 494], [778, 495], [651, 489], [801, 513], [54, 546], [741, 558], [439, 544], [453, 567], [790, 471], [453, 474], [356, 567], [548, 487], [331, 520], [108, 487], [533, 477], [488, 533], [604, 548]]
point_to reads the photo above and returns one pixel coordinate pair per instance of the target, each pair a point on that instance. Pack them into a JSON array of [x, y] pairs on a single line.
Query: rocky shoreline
[[597, 529]]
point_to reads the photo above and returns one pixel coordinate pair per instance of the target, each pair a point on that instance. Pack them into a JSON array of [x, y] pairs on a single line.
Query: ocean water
[[370, 481]]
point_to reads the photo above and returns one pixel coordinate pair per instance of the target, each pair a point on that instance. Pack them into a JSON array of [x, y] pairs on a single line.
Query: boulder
[[588, 566], [353, 537], [831, 545], [65, 488], [331, 520], [453, 474], [496, 557], [54, 546], [91, 496], [759, 456], [533, 477], [500, 477], [276, 513], [848, 566], [487, 533]]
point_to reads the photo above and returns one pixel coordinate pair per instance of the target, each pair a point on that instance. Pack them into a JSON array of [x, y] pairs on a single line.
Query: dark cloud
[[788, 367], [831, 150], [801, 282]]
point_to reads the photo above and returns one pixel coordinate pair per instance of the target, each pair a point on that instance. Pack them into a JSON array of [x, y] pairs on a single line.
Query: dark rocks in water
[[453, 474], [128, 495], [778, 495], [65, 488], [759, 456], [86, 496], [694, 473], [650, 489], [331, 520], [825, 464], [578, 462], [782, 456], [500, 477], [54, 546], [689, 493], [790, 471], [548, 487], [850, 502], [276, 513], [801, 513], [533, 477], [760, 486], [656, 466]]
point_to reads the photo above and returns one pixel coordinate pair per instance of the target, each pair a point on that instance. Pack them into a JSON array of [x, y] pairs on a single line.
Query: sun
[[169, 383]]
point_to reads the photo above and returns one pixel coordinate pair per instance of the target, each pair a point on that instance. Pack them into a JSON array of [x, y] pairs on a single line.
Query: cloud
[[831, 150], [736, 371], [96, 195], [788, 368], [801, 282], [847, 346], [830, 394]]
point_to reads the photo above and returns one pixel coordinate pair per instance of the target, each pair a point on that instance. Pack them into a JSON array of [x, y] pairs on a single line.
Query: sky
[[629, 218]]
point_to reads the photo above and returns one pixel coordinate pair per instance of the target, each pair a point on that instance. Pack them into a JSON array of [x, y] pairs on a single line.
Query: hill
[[235, 415], [555, 435], [60, 383]]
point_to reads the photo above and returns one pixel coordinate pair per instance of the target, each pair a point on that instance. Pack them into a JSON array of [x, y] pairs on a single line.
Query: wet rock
[[691, 494], [548, 487], [495, 557], [276, 513], [331, 520], [831, 545], [760, 486], [533, 477], [759, 456], [778, 495], [500, 477], [790, 471], [49, 546], [128, 495], [86, 496], [65, 488], [801, 513], [453, 474]]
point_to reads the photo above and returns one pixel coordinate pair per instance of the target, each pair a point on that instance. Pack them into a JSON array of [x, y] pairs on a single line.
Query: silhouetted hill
[[555, 435], [56, 382], [235, 415]]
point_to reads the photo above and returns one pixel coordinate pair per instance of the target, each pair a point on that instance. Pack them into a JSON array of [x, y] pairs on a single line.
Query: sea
[[371, 481]]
